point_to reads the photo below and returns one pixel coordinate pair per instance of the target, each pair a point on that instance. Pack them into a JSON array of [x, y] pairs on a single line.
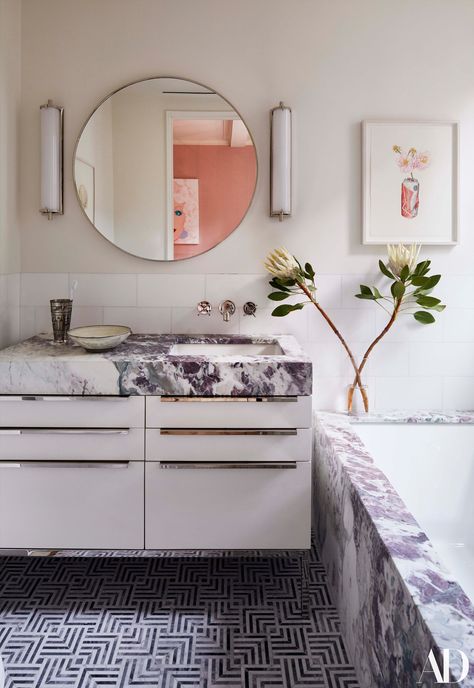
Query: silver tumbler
[[61, 310]]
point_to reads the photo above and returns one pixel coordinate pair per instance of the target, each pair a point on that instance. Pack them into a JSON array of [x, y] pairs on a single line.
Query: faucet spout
[[227, 309]]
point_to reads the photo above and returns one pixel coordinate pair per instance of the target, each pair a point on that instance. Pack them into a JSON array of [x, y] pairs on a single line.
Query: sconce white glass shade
[[280, 172], [51, 159]]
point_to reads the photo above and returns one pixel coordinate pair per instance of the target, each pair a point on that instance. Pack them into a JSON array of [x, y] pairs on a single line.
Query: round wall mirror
[[165, 168]]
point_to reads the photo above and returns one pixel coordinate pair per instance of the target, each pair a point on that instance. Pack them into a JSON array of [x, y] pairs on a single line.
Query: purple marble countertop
[[145, 364]]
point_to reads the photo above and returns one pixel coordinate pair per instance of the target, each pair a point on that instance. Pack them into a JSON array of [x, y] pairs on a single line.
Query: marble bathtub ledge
[[443, 607], [145, 364]]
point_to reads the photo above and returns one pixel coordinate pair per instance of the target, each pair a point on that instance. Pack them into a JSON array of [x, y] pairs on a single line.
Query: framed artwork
[[85, 185], [410, 182], [186, 211]]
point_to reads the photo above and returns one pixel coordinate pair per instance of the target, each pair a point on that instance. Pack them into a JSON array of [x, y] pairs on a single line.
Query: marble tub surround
[[397, 601], [145, 364]]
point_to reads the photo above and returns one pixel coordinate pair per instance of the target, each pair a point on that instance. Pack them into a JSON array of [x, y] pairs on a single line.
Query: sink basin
[[211, 349]]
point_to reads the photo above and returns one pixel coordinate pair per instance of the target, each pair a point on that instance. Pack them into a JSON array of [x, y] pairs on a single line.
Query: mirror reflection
[[165, 169]]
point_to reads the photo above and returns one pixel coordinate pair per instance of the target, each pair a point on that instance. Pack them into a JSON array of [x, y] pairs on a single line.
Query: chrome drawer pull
[[225, 431], [227, 399], [71, 431], [66, 464], [219, 465]]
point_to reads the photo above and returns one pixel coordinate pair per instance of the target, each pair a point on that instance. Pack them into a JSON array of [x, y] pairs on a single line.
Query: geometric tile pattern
[[168, 623]]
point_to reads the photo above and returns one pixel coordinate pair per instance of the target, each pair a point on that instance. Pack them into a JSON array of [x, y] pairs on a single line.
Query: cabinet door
[[227, 505], [258, 444], [228, 412], [71, 505]]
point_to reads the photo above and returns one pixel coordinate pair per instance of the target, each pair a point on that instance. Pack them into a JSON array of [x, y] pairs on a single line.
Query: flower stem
[[377, 339], [357, 380]]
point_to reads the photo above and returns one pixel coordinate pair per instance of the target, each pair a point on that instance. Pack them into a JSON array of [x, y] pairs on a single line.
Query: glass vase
[[357, 400]]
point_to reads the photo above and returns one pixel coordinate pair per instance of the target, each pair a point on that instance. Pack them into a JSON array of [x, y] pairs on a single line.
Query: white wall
[[335, 62], [10, 16]]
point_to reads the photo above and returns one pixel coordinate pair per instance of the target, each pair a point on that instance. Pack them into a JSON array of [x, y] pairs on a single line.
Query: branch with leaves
[[410, 293]]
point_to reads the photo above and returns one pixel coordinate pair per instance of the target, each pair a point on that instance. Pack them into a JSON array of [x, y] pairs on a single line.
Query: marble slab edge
[[145, 365]]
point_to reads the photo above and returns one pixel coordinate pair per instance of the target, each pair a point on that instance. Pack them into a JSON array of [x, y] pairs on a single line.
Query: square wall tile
[[38, 288], [408, 393], [140, 320], [169, 291], [265, 323], [442, 359], [458, 393], [356, 325], [27, 322], [238, 288], [187, 321], [105, 289], [329, 290], [458, 324], [456, 290]]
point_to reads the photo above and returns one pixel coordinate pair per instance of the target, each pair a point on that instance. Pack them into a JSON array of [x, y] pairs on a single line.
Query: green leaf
[[404, 273], [422, 268], [378, 295], [424, 318], [431, 281], [286, 308], [384, 269], [439, 308], [278, 295], [287, 282], [309, 271], [397, 289], [369, 297], [428, 301], [419, 281], [365, 290], [275, 283]]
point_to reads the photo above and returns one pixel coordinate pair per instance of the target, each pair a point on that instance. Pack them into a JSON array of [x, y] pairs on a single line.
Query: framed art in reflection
[[410, 182], [186, 211]]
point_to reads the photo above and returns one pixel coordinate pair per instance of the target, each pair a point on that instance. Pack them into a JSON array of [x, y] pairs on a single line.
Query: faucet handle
[[204, 308], [249, 308]]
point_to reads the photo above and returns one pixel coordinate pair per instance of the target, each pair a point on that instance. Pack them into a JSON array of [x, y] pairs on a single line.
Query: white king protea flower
[[282, 264], [401, 255]]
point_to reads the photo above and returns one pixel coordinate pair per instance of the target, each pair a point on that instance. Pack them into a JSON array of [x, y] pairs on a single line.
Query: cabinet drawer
[[70, 412], [227, 506], [72, 443], [228, 412], [177, 444], [71, 506]]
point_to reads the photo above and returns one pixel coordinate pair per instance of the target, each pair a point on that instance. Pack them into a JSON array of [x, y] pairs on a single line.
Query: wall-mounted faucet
[[227, 309], [249, 308]]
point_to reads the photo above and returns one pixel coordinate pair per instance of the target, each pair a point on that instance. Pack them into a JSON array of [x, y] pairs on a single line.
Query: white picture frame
[[410, 176]]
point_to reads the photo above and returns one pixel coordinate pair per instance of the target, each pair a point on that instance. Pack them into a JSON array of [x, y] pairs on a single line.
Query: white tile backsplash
[[414, 366], [38, 288], [170, 290], [105, 290]]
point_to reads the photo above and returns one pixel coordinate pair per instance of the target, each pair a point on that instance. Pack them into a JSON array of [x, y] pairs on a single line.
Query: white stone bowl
[[100, 337]]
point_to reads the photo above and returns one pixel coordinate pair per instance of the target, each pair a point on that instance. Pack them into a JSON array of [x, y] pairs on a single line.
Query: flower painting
[[186, 211], [407, 163], [410, 182]]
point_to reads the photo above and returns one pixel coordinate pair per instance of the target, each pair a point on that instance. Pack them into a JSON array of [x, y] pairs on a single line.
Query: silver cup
[[61, 310]]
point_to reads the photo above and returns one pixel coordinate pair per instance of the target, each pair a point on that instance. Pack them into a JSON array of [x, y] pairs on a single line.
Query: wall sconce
[[51, 159], [280, 162]]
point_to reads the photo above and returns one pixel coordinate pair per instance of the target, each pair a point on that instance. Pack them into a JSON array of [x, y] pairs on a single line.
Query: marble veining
[[395, 597], [144, 364]]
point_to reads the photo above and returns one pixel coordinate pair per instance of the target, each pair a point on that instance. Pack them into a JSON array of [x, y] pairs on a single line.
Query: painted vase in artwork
[[410, 197], [410, 194]]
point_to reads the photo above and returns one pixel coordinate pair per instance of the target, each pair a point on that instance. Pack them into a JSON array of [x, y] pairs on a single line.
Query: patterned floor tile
[[168, 623]]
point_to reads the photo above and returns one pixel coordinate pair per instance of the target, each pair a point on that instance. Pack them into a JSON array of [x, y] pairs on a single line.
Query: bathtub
[[394, 523]]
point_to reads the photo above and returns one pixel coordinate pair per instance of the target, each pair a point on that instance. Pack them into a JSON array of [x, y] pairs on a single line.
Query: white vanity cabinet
[[155, 472]]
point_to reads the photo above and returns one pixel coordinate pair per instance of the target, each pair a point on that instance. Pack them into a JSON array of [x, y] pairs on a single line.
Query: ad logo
[[442, 674]]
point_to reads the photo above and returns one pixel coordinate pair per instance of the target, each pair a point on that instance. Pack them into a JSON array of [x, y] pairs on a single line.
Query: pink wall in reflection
[[226, 182]]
